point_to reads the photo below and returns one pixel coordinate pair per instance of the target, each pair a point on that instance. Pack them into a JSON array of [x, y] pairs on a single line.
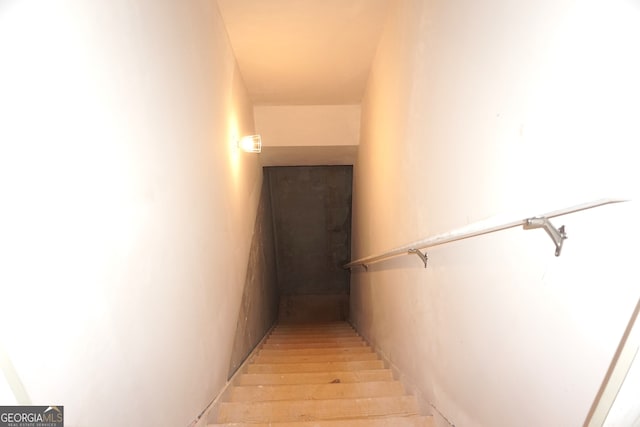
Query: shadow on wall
[[259, 307], [301, 240]]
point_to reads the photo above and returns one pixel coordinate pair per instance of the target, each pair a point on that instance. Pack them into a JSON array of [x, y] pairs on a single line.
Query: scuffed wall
[[259, 307]]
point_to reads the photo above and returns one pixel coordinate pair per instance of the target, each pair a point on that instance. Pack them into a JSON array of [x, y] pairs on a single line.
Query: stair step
[[315, 337], [345, 332], [313, 328], [316, 377], [309, 334], [313, 325], [402, 421], [278, 346], [315, 358], [283, 368], [315, 351], [316, 391], [305, 340], [310, 410], [312, 332]]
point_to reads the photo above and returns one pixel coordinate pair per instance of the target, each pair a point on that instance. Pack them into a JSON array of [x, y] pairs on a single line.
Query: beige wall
[[308, 125], [481, 109], [126, 213], [294, 135]]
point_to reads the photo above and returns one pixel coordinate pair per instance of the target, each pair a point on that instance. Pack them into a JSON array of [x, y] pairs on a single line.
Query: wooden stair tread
[[315, 326], [289, 334], [276, 368], [400, 421], [313, 330], [314, 358], [314, 351], [261, 393], [280, 346], [310, 410], [314, 338], [316, 377], [342, 331], [277, 333]]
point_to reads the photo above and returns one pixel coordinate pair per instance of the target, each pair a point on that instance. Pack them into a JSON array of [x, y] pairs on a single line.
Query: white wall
[[296, 135], [308, 125], [126, 213], [476, 109]]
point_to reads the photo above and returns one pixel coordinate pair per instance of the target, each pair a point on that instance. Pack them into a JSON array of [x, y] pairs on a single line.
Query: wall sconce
[[250, 144]]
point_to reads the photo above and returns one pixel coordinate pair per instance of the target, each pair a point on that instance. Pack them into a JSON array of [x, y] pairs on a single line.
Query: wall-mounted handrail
[[484, 227]]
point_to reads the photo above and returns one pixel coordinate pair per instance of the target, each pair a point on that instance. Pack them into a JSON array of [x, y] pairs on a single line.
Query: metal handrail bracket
[[422, 256], [558, 235]]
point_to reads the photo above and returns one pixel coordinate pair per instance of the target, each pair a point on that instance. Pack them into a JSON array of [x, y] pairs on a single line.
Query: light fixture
[[250, 144]]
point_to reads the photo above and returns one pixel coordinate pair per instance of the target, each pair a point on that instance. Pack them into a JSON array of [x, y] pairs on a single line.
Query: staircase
[[318, 375]]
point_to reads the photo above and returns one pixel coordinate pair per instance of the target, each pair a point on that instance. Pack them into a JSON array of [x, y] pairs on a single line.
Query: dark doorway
[[311, 208]]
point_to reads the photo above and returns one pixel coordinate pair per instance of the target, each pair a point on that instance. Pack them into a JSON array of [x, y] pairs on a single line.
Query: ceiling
[[304, 52]]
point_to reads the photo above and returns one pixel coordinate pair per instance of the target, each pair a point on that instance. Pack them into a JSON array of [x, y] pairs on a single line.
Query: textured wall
[[314, 308], [312, 225], [259, 307], [312, 220]]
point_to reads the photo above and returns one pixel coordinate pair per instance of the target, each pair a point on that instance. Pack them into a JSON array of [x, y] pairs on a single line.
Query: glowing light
[[251, 144]]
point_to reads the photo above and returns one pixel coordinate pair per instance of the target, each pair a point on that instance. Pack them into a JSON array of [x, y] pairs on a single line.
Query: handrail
[[484, 227]]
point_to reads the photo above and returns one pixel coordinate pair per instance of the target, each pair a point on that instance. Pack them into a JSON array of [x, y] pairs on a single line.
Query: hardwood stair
[[318, 375]]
